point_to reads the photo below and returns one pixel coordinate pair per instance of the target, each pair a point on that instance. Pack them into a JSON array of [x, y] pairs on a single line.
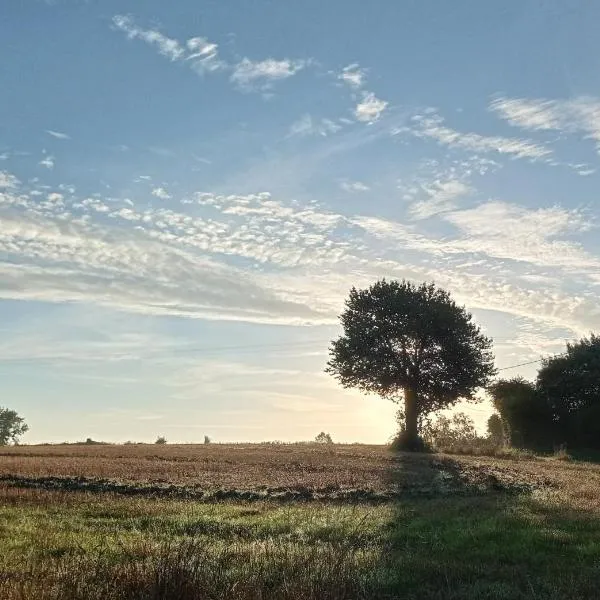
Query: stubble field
[[293, 521]]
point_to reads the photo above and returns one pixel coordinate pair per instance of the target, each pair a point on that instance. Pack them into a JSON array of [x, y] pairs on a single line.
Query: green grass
[[493, 546]]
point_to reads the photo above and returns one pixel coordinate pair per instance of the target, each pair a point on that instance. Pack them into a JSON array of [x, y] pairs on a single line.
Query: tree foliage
[[446, 431], [562, 408], [411, 343], [12, 426], [526, 420], [495, 430], [323, 438], [569, 385]]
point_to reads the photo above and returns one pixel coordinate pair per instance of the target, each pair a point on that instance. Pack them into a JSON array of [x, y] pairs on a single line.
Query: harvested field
[[293, 522], [295, 471]]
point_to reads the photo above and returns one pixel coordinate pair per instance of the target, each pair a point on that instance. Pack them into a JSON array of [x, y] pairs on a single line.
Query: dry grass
[[195, 470], [451, 527], [213, 466]]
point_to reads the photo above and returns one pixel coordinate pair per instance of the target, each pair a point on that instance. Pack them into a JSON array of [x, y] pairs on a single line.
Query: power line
[[531, 362]]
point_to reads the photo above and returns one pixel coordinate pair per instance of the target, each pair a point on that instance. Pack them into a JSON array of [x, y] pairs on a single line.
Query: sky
[[188, 191]]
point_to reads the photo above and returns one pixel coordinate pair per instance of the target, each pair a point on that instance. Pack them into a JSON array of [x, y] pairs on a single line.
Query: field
[[293, 521]]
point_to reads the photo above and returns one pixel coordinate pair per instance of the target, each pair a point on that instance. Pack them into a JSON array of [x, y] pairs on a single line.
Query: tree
[[526, 420], [495, 430], [569, 385], [161, 440], [323, 438], [12, 426], [411, 343]]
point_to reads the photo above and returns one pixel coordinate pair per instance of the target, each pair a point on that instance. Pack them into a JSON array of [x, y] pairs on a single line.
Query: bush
[[404, 443], [207, 440], [447, 431], [161, 440], [323, 438]]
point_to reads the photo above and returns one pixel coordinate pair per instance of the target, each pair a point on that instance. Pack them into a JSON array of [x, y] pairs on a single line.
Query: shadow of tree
[[469, 532]]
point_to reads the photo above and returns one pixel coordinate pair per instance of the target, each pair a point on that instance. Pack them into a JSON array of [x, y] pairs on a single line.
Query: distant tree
[[12, 426], [526, 419], [569, 385], [495, 430], [207, 440], [161, 440], [411, 343], [323, 438]]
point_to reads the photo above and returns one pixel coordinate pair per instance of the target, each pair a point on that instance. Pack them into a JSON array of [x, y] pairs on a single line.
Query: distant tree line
[[560, 408]]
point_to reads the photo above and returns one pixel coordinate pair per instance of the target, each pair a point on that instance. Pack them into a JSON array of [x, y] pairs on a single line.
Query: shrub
[[207, 440], [561, 453], [323, 438], [161, 440]]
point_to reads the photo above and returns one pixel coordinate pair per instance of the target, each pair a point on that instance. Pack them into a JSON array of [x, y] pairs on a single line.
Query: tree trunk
[[411, 413]]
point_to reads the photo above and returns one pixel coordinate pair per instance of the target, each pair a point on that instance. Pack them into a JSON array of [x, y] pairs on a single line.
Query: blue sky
[[188, 191]]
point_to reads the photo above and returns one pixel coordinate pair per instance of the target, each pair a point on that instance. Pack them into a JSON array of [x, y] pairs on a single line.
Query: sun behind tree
[[411, 343]]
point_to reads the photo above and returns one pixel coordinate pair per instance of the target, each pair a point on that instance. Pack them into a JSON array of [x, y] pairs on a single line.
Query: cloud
[[431, 126], [508, 231], [204, 55], [58, 134], [369, 109], [161, 193], [166, 46], [440, 198], [577, 115], [250, 75], [306, 125], [353, 76], [47, 161], [8, 180], [354, 186]]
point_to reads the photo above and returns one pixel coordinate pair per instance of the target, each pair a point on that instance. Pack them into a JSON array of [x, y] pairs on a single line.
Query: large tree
[[569, 384], [413, 343], [526, 418], [12, 426]]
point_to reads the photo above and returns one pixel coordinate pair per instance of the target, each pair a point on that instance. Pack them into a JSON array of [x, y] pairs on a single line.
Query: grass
[[456, 528]]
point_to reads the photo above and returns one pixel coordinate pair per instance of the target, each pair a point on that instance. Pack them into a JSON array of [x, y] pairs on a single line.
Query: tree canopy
[[569, 385], [413, 343], [12, 426], [562, 407], [526, 420]]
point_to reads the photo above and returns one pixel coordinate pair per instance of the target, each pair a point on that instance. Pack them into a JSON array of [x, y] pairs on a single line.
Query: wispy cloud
[[440, 197], [203, 55], [431, 125], [370, 108], [306, 125], [248, 74], [58, 134], [577, 115], [166, 46], [354, 186], [47, 161], [353, 76]]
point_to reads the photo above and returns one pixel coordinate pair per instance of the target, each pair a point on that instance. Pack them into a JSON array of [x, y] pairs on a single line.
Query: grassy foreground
[[445, 537]]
